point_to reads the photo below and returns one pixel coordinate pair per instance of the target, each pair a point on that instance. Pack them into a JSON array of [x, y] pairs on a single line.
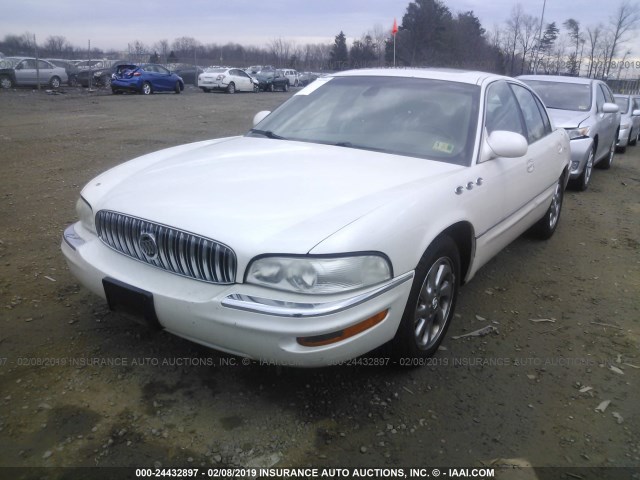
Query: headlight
[[311, 274], [578, 132], [85, 214]]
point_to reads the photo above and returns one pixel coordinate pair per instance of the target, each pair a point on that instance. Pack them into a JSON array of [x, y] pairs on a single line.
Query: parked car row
[[19, 71], [587, 110], [267, 248], [629, 106]]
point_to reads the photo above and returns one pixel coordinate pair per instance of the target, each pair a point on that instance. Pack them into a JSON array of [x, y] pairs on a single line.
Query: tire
[[73, 81], [582, 182], [146, 88], [546, 226], [297, 84], [635, 139], [256, 89], [106, 81], [177, 88], [271, 88], [285, 87], [431, 303], [206, 90], [55, 82], [5, 81], [231, 88], [605, 163]]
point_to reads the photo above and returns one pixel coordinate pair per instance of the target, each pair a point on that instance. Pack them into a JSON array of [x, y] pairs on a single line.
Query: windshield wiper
[[266, 133]]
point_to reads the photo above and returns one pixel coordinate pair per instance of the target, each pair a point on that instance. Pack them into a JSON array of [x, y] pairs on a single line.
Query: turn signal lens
[[334, 337]]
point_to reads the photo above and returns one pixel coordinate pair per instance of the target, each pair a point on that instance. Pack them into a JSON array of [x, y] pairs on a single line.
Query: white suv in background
[[292, 75]]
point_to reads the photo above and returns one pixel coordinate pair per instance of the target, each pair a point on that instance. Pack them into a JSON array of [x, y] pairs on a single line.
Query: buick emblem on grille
[[148, 245]]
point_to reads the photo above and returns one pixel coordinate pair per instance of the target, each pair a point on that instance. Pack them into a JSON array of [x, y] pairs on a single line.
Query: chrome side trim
[[71, 238], [279, 308]]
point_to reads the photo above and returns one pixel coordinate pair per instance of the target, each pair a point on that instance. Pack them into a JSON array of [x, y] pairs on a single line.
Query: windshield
[[563, 96], [623, 104], [408, 116]]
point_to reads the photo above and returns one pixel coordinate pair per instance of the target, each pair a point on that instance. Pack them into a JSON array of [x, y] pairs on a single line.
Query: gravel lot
[[80, 386]]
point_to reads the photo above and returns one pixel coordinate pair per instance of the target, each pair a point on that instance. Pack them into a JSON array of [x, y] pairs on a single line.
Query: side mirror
[[502, 143], [260, 116], [610, 108], [635, 113]]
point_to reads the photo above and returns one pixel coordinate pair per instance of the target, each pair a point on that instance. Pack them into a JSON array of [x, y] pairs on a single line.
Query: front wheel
[[285, 87], [431, 303], [582, 182], [5, 81], [177, 88], [54, 82], [606, 163], [146, 88], [546, 226]]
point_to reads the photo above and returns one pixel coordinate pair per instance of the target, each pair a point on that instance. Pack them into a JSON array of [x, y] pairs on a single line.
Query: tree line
[[429, 34]]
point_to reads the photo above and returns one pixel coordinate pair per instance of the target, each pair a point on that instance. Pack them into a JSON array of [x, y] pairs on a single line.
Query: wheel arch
[[462, 233]]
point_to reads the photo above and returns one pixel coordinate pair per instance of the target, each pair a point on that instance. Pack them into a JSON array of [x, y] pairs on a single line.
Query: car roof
[[558, 78], [450, 74]]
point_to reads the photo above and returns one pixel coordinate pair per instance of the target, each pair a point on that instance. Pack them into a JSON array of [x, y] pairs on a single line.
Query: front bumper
[[243, 319], [580, 150], [623, 137]]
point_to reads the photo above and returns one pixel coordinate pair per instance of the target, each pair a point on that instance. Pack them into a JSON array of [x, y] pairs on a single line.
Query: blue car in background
[[145, 79]]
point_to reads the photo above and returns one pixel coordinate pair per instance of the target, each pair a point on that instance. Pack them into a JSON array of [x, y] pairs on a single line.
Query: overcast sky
[[113, 24]]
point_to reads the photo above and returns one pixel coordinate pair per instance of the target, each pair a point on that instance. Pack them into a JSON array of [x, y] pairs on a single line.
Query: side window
[[502, 112], [532, 118], [600, 100], [42, 65], [543, 114], [608, 96]]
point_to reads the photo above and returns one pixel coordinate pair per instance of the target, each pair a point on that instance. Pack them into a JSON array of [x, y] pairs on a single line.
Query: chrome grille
[[176, 251]]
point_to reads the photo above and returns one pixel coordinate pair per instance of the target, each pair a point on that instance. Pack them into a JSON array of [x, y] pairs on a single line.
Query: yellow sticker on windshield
[[443, 147]]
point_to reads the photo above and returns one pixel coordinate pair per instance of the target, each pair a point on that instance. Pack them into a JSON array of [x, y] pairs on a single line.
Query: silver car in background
[[31, 71], [586, 109], [629, 106]]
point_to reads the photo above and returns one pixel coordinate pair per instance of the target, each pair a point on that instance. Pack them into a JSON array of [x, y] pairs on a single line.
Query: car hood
[[260, 195], [567, 118]]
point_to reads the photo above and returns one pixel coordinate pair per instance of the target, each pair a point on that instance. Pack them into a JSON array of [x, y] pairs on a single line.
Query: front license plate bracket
[[125, 298]]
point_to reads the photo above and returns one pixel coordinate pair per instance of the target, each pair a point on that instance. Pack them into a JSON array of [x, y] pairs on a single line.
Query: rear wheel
[[146, 88], [231, 88], [431, 303], [271, 88], [547, 225], [177, 88], [54, 82]]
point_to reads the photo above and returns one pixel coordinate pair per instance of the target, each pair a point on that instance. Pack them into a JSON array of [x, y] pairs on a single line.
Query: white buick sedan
[[346, 219]]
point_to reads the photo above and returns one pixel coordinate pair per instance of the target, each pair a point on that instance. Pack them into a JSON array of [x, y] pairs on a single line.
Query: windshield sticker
[[443, 147], [313, 86]]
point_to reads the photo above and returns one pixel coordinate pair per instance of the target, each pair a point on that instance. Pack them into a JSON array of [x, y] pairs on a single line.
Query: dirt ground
[[81, 386]]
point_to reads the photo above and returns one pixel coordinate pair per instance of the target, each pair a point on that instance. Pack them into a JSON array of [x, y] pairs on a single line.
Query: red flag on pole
[[394, 30]]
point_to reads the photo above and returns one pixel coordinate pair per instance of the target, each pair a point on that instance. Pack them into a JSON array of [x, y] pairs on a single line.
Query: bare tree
[[625, 19], [513, 32], [527, 38], [56, 45], [281, 51], [593, 40]]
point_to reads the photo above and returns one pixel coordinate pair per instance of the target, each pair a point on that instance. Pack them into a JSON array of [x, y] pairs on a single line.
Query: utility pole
[[535, 62]]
